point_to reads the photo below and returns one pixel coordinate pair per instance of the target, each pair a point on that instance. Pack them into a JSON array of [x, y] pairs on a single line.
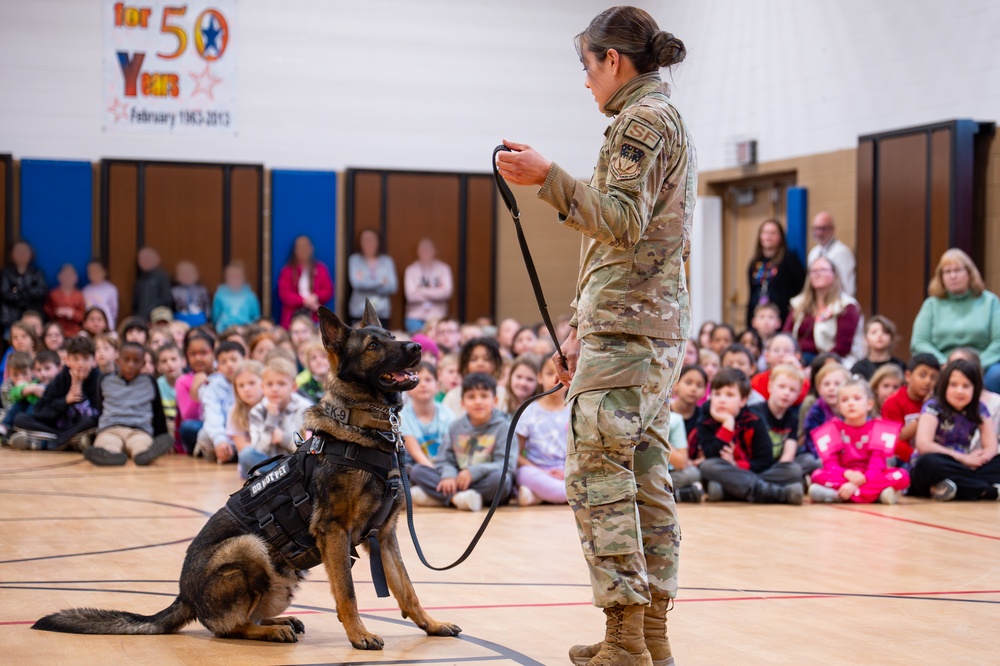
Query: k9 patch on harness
[[263, 482], [626, 164]]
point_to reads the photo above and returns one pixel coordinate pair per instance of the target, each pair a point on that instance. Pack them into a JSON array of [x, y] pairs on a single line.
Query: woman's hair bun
[[667, 49]]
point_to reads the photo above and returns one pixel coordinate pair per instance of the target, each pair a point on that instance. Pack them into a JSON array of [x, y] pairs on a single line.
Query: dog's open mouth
[[398, 379]]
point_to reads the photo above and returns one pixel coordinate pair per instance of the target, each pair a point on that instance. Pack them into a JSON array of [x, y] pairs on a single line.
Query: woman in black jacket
[[775, 274], [22, 285]]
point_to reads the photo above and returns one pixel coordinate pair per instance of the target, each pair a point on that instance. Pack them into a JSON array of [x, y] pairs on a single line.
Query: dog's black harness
[[278, 507]]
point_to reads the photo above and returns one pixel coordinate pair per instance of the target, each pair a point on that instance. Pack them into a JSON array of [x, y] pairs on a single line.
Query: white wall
[[434, 84], [428, 84], [810, 76]]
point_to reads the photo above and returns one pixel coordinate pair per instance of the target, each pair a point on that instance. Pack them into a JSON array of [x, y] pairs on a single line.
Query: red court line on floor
[[918, 522]]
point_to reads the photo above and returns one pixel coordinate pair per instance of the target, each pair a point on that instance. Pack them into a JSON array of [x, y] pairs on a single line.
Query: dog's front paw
[[442, 629], [367, 641], [296, 625], [282, 634]]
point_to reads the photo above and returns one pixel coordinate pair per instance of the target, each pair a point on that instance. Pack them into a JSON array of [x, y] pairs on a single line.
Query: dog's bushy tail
[[99, 621]]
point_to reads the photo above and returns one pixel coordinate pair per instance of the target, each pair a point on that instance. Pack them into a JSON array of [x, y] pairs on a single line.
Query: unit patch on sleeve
[[642, 133], [626, 164]]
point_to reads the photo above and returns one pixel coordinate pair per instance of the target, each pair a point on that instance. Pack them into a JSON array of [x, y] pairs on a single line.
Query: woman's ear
[[613, 58]]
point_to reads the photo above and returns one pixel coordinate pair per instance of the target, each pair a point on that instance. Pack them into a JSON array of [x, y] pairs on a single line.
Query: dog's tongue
[[401, 376]]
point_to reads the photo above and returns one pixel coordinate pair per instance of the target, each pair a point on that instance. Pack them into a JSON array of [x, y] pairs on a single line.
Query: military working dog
[[235, 582]]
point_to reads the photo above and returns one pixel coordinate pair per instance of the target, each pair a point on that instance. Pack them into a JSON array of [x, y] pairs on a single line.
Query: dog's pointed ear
[[370, 317], [333, 331]]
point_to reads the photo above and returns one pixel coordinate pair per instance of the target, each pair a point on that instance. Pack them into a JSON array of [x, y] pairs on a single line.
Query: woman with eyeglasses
[[960, 312], [824, 318]]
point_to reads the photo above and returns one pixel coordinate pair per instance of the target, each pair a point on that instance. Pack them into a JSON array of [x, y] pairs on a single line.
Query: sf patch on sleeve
[[627, 164]]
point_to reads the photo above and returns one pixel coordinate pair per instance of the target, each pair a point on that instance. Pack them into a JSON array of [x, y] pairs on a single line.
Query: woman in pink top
[[304, 283]]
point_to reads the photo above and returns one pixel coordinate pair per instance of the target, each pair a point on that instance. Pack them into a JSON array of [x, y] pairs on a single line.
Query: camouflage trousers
[[617, 478]]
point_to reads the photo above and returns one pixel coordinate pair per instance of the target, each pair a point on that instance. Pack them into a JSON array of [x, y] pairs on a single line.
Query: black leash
[[511, 203]]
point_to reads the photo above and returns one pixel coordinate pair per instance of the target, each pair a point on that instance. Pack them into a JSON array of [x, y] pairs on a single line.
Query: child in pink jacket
[[854, 450]]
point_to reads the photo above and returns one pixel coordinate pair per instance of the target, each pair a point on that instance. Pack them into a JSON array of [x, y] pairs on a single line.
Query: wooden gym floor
[[914, 583]]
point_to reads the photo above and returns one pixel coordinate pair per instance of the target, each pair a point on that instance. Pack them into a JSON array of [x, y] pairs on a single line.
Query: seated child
[[134, 329], [277, 418], [741, 358], [691, 352], [766, 320], [884, 382], [424, 422], [68, 408], [216, 398], [132, 424], [687, 394], [190, 298], [722, 336], [988, 398], [170, 368], [780, 349], [783, 418], [948, 464], [312, 380], [685, 476], [880, 335], [542, 433], [106, 353], [448, 374], [467, 468], [22, 339], [904, 405], [480, 355], [751, 339], [95, 322], [20, 391], [828, 382], [854, 449], [739, 461], [710, 363], [520, 383], [248, 392], [199, 350]]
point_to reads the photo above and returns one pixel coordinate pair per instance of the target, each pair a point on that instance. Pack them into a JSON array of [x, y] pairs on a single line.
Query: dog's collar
[[383, 421]]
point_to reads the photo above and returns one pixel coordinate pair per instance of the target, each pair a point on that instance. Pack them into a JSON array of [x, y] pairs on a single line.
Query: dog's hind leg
[[402, 588], [274, 633], [335, 547]]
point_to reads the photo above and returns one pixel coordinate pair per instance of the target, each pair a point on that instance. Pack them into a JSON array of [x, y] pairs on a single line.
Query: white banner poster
[[170, 66]]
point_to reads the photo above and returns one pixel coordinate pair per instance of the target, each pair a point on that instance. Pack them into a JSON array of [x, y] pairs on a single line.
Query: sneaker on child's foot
[[888, 496], [694, 493], [419, 497], [944, 491], [822, 495], [98, 456], [24, 442], [161, 445], [526, 497], [467, 500], [715, 492]]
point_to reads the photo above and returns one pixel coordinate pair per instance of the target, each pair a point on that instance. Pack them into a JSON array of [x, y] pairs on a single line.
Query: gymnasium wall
[[809, 76]]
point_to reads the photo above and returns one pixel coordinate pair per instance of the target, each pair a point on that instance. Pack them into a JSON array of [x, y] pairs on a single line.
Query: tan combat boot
[[623, 641], [654, 628]]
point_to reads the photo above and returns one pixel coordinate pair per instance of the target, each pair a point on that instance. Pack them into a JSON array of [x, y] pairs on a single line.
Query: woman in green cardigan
[[960, 312]]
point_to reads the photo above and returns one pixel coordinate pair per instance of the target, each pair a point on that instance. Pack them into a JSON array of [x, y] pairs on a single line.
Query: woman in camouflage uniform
[[632, 318]]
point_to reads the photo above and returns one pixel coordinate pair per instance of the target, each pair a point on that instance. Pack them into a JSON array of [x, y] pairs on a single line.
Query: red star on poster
[[204, 82], [119, 110]]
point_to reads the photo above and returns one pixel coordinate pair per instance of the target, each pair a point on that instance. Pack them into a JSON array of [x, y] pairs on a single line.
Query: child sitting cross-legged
[[783, 418], [276, 419], [542, 432], [739, 459], [132, 424], [467, 468], [312, 380], [880, 334], [904, 405], [248, 393], [68, 408], [424, 422], [854, 450], [213, 442]]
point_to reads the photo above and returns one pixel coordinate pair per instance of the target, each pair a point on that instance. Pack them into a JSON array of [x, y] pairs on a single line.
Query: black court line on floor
[[53, 493], [501, 651]]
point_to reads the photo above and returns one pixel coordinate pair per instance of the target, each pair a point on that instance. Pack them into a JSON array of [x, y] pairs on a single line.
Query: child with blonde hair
[[885, 381], [277, 418], [854, 449], [248, 390], [448, 375], [542, 432]]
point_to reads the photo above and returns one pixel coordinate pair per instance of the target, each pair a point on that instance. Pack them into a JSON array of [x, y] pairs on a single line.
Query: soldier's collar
[[631, 91]]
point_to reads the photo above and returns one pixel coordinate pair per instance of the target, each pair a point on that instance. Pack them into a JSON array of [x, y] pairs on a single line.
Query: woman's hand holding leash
[[522, 166], [570, 347]]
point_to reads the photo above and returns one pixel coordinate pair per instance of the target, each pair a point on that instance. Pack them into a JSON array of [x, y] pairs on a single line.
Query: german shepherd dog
[[234, 583]]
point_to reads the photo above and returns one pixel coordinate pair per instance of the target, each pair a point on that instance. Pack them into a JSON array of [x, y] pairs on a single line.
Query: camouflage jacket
[[635, 216]]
